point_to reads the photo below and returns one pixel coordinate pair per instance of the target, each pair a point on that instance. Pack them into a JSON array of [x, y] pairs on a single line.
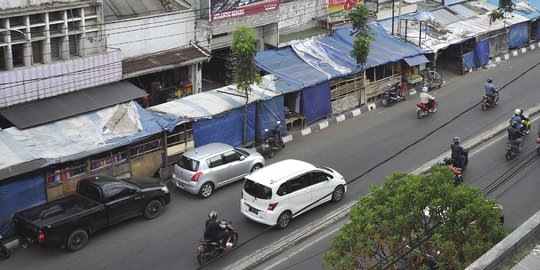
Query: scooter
[[393, 95], [5, 252], [490, 102], [272, 143], [208, 250], [423, 110], [511, 150]]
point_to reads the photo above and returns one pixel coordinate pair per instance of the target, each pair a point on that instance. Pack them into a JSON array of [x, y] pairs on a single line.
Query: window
[[215, 161], [74, 41], [56, 16], [257, 190], [188, 164], [231, 156], [18, 55], [298, 183], [3, 58], [282, 190], [37, 52], [318, 177], [36, 18], [119, 192], [56, 48]]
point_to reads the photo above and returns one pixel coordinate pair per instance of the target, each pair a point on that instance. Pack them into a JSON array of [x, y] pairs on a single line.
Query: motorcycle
[[423, 110], [511, 150], [5, 252], [458, 177], [274, 142], [208, 250], [490, 102], [393, 95]]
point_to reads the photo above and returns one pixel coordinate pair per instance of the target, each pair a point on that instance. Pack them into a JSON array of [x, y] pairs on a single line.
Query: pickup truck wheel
[[153, 209], [77, 240]]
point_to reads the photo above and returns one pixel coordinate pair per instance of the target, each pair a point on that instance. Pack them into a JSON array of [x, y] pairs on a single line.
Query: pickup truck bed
[[59, 210]]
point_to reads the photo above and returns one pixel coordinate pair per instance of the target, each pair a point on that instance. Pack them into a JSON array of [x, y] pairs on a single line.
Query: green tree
[[244, 47], [417, 222], [505, 6], [359, 16]]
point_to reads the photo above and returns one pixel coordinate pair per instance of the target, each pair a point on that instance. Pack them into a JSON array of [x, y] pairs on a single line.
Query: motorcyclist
[[458, 153], [214, 231], [515, 134], [426, 98], [518, 118], [490, 89]]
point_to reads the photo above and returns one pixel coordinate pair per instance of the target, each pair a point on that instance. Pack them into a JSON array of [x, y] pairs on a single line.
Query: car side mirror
[[242, 157]]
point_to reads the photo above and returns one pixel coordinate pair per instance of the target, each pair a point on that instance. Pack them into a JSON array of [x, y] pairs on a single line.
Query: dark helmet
[[489, 80], [447, 160], [514, 124], [212, 215], [456, 140]]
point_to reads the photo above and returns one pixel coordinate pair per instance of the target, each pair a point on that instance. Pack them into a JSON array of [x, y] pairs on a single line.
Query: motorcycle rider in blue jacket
[[490, 89]]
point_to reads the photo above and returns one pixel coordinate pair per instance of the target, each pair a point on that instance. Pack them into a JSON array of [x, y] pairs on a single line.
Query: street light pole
[[393, 17]]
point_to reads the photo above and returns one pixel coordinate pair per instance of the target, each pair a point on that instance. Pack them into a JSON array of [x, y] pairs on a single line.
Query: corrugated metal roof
[[462, 11], [114, 10], [444, 16], [529, 262]]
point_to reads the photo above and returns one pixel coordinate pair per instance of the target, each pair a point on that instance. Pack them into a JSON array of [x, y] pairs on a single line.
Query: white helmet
[[517, 111], [212, 215], [424, 89]]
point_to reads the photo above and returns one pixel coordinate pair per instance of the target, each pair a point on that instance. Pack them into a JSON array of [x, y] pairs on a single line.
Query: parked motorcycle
[[208, 250], [490, 102], [511, 150], [393, 95], [422, 110], [272, 143], [4, 251]]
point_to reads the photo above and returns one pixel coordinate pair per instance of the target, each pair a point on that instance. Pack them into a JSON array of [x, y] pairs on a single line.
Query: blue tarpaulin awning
[[416, 60]]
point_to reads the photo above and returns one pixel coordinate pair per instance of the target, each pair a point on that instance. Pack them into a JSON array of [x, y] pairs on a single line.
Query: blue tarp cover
[[227, 128], [416, 60], [271, 111], [384, 49], [17, 196], [468, 60], [481, 52], [518, 35], [318, 98]]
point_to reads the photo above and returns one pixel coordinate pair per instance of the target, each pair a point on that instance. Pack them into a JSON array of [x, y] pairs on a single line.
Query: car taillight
[[41, 237], [272, 206], [196, 176]]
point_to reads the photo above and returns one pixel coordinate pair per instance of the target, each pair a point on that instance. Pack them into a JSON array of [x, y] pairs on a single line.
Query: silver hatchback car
[[205, 168]]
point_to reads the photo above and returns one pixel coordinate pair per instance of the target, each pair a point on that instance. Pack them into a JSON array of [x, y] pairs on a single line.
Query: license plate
[[252, 209], [179, 184]]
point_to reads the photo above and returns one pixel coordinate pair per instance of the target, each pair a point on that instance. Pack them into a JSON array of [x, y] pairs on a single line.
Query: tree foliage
[[417, 222], [505, 6], [359, 16], [244, 47]]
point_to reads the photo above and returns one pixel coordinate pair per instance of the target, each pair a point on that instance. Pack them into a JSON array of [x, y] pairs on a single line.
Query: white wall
[[152, 34], [8, 4], [294, 16]]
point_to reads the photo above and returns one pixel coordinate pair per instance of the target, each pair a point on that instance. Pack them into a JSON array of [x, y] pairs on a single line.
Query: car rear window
[[257, 190], [188, 164]]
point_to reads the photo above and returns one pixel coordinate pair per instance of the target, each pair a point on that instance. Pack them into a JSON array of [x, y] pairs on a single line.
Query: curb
[[514, 53], [266, 253]]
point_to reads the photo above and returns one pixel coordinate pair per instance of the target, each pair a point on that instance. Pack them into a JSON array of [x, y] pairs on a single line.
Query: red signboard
[[226, 9]]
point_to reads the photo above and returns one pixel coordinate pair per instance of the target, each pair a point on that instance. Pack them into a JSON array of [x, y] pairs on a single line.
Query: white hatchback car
[[276, 193]]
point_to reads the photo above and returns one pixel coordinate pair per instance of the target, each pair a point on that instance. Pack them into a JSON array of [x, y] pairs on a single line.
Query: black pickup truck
[[99, 202]]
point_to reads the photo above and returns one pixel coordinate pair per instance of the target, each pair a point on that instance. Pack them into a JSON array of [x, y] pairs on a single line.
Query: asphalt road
[[364, 149], [514, 184]]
